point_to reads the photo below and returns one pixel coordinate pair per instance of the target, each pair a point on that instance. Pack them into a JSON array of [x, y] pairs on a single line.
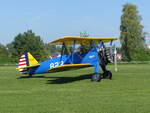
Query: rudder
[[26, 60]]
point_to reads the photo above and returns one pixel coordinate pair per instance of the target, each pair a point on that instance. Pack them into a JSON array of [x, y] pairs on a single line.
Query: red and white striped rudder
[[22, 63]]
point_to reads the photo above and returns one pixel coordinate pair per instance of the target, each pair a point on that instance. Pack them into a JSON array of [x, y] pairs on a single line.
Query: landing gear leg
[[107, 74]]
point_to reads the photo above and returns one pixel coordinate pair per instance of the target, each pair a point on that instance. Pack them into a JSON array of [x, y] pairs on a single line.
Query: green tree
[[3, 51], [28, 42], [132, 35], [4, 55], [52, 48], [85, 44]]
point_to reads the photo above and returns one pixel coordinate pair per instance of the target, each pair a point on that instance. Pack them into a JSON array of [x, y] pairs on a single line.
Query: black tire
[[107, 75], [30, 75], [96, 77]]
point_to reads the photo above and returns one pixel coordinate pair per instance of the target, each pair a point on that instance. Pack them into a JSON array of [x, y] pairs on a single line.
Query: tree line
[[132, 39], [27, 42]]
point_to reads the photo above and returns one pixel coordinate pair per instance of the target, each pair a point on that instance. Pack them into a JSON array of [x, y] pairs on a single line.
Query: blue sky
[[52, 19]]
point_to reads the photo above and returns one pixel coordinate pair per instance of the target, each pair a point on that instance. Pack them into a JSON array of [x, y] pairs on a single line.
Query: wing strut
[[115, 52], [73, 50]]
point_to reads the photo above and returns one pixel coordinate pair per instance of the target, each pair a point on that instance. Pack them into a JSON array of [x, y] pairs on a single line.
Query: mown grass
[[73, 92]]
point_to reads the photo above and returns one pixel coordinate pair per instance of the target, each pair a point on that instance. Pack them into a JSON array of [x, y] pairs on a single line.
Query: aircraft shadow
[[64, 80], [24, 77]]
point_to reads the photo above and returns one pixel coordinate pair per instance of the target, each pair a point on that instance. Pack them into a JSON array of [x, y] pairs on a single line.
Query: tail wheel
[[96, 77], [29, 73], [107, 75]]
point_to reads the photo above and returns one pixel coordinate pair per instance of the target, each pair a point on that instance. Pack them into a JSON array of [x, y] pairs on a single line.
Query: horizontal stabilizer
[[26, 67]]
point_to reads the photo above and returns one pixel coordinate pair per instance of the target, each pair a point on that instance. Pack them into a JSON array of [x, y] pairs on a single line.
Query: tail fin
[[31, 60], [26, 60]]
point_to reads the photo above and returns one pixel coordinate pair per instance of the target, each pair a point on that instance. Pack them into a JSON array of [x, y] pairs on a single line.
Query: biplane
[[76, 53]]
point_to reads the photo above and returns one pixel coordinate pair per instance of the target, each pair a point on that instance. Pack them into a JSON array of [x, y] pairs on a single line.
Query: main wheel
[[107, 75], [96, 77]]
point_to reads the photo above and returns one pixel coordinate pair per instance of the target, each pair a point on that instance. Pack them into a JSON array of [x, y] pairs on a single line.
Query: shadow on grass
[[24, 77], [59, 80], [63, 80]]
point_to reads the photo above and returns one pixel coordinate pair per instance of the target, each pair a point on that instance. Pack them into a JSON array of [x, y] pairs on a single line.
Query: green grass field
[[73, 92]]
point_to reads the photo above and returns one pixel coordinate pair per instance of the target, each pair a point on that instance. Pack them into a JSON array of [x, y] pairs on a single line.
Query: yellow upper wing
[[68, 67], [70, 39]]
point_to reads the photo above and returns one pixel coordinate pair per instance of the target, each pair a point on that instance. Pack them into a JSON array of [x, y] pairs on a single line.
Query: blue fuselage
[[90, 57]]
